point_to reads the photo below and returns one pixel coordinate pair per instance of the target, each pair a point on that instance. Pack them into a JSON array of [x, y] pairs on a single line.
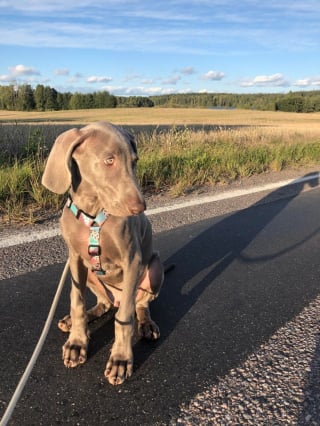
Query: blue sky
[[145, 47]]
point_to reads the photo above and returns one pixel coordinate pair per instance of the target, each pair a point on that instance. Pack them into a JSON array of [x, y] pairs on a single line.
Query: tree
[[51, 99], [8, 97], [76, 101], [104, 100], [25, 99], [63, 100], [40, 97]]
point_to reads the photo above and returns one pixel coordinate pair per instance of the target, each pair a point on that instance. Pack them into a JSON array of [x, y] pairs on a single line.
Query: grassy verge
[[175, 159], [181, 159]]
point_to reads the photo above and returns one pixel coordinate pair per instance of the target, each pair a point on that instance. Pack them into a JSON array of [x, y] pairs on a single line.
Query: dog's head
[[98, 160]]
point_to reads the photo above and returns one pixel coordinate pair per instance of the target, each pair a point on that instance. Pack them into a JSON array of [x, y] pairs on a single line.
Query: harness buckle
[[94, 250]]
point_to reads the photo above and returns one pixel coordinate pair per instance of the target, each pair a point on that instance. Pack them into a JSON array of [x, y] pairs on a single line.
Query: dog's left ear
[[131, 139], [133, 143], [57, 173]]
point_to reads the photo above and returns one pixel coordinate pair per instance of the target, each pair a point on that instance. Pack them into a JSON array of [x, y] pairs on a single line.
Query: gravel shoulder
[[279, 384]]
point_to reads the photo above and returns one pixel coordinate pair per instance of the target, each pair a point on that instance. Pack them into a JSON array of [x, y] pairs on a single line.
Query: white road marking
[[23, 238], [231, 194]]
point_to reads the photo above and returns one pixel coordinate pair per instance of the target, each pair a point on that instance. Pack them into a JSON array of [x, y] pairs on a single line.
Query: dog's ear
[[57, 173], [130, 138], [133, 142]]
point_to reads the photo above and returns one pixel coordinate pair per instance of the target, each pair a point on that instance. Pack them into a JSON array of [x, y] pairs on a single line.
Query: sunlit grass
[[175, 158], [181, 159]]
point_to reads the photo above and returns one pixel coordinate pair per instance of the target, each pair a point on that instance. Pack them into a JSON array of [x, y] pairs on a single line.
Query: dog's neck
[[86, 201]]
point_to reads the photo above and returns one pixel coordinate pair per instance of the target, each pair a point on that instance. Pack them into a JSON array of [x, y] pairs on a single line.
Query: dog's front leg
[[74, 351], [120, 364]]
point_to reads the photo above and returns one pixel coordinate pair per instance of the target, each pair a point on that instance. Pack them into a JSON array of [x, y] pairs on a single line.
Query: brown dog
[[109, 240]]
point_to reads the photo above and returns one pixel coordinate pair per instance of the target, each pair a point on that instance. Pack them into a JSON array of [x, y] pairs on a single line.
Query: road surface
[[239, 277]]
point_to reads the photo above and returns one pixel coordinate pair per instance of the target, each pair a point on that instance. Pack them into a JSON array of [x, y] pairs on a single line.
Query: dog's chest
[[108, 248]]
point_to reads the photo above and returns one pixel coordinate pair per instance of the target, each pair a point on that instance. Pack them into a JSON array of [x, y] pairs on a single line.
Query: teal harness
[[95, 224], [94, 248]]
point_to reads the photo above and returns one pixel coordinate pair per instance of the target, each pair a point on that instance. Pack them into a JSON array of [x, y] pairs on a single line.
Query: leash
[[15, 398]]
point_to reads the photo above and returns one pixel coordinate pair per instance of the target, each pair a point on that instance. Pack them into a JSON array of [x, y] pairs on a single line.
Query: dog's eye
[[109, 161]]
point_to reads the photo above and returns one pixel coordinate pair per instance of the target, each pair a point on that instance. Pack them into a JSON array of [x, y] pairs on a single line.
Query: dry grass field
[[180, 149], [265, 124], [167, 116]]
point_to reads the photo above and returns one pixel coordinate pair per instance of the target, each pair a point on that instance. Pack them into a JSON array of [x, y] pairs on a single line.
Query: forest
[[45, 98]]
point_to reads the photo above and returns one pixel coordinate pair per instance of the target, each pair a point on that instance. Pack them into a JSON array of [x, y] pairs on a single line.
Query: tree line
[[292, 102], [45, 98]]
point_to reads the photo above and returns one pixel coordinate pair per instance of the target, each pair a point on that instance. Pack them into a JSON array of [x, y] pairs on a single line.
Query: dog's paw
[[119, 368], [149, 330], [74, 352], [65, 324]]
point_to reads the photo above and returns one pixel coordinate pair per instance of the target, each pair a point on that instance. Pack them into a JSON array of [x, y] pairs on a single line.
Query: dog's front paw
[[149, 330], [74, 352], [119, 367]]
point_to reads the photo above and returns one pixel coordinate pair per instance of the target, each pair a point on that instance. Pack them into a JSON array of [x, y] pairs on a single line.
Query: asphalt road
[[238, 278]]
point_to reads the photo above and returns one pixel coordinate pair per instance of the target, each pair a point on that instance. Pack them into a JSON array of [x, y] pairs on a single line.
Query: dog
[[109, 240]]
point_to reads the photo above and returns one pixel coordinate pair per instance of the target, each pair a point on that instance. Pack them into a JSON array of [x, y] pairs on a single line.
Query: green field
[[180, 149]]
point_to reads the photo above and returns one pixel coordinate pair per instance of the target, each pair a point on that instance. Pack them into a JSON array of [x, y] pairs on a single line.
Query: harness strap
[[94, 224], [94, 248]]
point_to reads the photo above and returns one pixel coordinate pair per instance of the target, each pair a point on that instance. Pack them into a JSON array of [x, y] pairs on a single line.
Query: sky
[[146, 47]]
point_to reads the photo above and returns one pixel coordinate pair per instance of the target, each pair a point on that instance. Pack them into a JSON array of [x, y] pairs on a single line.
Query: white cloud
[[148, 81], [98, 79], [303, 82], [274, 80], [172, 80], [213, 75], [309, 81], [75, 78], [188, 70], [61, 72], [5, 78], [130, 77], [20, 74], [267, 79], [246, 83], [315, 82], [19, 70], [138, 91], [180, 26]]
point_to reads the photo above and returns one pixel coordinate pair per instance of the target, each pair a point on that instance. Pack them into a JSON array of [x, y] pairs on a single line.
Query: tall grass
[[182, 158], [23, 150], [175, 159]]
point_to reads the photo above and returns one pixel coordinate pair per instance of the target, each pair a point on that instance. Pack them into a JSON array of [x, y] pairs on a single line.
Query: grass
[[177, 152], [165, 116], [181, 159]]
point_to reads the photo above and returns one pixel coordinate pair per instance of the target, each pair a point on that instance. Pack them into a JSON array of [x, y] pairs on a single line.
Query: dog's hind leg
[[94, 313], [102, 306], [148, 290]]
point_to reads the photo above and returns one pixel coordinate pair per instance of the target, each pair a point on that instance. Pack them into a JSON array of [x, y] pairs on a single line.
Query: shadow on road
[[228, 294], [237, 279]]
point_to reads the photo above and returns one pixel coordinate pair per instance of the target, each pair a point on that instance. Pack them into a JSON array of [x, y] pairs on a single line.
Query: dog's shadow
[[204, 306]]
